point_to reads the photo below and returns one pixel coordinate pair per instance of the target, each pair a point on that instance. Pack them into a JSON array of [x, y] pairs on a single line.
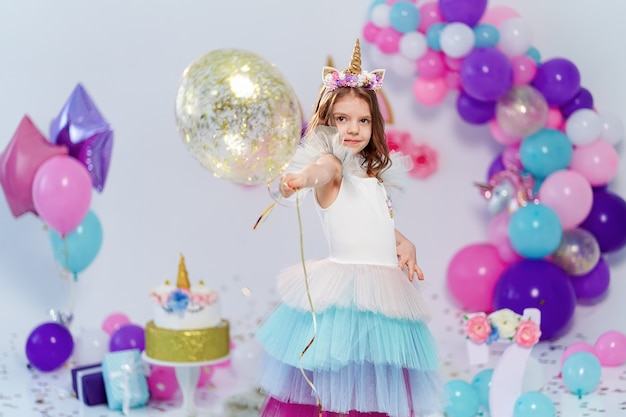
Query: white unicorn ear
[[327, 70], [379, 72]]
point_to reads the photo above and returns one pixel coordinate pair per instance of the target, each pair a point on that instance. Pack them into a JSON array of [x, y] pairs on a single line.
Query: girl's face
[[353, 119]]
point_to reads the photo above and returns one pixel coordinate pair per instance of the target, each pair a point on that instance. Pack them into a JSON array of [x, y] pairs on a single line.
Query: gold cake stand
[[187, 375]]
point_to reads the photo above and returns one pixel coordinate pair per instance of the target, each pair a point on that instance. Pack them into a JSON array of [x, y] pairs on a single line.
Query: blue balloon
[[486, 36], [433, 36], [77, 250], [581, 373], [482, 384], [545, 152], [534, 404], [534, 54], [404, 17], [463, 399], [535, 231]]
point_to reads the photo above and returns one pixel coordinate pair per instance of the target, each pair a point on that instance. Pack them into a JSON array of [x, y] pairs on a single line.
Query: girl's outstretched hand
[[405, 250], [290, 183]]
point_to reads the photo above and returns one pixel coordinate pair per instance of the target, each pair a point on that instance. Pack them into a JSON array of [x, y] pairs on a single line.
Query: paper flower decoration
[[502, 324], [425, 158]]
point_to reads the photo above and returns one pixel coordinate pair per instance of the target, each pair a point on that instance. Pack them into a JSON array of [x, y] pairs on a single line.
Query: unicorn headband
[[353, 76]]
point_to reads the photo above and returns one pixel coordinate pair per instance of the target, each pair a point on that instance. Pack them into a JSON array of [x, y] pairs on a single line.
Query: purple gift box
[[88, 384]]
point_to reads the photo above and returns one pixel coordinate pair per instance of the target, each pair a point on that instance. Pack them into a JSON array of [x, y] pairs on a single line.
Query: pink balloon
[[569, 194], [453, 80], [162, 382], [62, 192], [498, 235], [497, 15], [576, 347], [453, 63], [472, 275], [610, 348], [430, 92], [596, 161], [370, 32], [500, 135], [388, 40], [555, 119], [524, 69], [429, 15], [114, 321], [431, 65]]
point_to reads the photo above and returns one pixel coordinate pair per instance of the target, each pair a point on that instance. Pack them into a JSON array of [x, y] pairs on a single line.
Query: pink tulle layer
[[276, 408]]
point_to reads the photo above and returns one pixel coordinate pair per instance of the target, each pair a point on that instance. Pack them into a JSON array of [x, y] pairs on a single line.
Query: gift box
[[88, 384], [125, 381]]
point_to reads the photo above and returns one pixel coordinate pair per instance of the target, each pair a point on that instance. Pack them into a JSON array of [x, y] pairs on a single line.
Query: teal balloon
[[534, 54], [545, 152], [482, 384], [433, 35], [535, 231], [404, 16], [463, 399], [534, 404], [581, 373], [486, 36], [77, 250]]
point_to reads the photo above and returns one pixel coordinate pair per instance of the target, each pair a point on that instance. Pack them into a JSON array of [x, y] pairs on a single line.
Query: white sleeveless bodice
[[358, 225]]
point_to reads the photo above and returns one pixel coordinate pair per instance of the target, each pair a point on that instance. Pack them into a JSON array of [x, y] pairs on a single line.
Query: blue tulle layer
[[347, 336], [365, 388]]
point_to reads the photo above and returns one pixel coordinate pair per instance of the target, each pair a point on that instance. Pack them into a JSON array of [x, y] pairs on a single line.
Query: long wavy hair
[[376, 153]]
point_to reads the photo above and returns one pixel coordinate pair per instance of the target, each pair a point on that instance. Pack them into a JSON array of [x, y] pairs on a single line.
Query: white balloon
[[402, 66], [457, 40], [413, 45], [612, 128], [515, 37], [90, 346], [583, 127], [379, 15]]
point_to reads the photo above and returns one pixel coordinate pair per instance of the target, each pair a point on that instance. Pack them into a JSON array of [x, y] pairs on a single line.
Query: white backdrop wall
[[158, 202]]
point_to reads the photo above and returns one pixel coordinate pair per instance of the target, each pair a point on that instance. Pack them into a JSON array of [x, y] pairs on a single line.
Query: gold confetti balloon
[[238, 116], [578, 253]]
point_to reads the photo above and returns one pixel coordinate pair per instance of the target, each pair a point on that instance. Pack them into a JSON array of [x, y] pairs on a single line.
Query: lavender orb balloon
[[558, 80], [464, 11], [48, 346], [582, 100], [474, 111], [592, 286], [522, 111], [607, 220], [486, 74], [128, 336]]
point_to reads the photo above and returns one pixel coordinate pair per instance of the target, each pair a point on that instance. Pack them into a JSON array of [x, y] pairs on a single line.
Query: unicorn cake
[[187, 325]]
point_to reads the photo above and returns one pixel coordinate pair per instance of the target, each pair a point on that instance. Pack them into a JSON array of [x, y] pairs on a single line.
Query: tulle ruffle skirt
[[372, 353]]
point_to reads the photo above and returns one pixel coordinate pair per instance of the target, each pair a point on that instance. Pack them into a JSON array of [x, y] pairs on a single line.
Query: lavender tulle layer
[[361, 362]]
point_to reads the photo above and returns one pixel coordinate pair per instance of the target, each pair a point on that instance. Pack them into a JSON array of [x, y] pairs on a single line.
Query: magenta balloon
[[128, 336], [486, 74], [558, 80], [464, 11], [536, 283], [592, 286], [48, 346]]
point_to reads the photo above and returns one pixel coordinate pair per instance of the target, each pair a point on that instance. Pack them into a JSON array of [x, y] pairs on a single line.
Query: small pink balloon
[[430, 92], [555, 119], [431, 65], [370, 32], [610, 348], [114, 321], [524, 69], [596, 161], [388, 40], [162, 382], [569, 194], [453, 80], [453, 63], [497, 15], [429, 15], [498, 235], [500, 135], [576, 347]]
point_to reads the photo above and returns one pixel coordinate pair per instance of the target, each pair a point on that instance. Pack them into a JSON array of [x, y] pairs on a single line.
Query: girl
[[371, 353]]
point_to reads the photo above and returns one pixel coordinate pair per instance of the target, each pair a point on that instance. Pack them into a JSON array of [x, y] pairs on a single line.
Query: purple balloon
[[464, 11], [486, 74], [537, 283], [607, 220], [592, 286], [496, 166], [558, 80], [87, 135], [475, 111], [48, 346], [128, 336], [582, 100]]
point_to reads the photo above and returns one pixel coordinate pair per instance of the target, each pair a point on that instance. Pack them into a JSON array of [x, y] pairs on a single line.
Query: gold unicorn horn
[[183, 279], [355, 63]]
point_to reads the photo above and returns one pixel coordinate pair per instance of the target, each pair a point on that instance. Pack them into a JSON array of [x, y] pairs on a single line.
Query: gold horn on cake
[[183, 278]]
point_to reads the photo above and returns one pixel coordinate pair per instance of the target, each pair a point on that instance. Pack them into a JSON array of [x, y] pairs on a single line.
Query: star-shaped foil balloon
[[87, 135], [19, 162]]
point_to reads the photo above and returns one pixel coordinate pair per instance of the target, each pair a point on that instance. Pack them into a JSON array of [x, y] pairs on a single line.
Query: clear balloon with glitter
[[578, 252]]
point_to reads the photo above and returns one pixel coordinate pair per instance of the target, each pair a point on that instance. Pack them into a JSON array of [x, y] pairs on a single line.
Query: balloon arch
[[553, 215]]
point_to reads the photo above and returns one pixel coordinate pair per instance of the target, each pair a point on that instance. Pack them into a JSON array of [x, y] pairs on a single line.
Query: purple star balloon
[[87, 135]]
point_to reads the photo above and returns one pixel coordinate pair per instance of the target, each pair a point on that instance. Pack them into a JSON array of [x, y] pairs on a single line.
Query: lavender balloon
[[538, 284], [558, 80], [48, 346], [607, 220], [592, 286], [464, 11], [582, 100], [486, 74], [474, 111], [128, 336]]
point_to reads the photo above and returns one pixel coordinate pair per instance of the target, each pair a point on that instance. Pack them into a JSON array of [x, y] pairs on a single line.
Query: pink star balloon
[[88, 136], [19, 162]]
